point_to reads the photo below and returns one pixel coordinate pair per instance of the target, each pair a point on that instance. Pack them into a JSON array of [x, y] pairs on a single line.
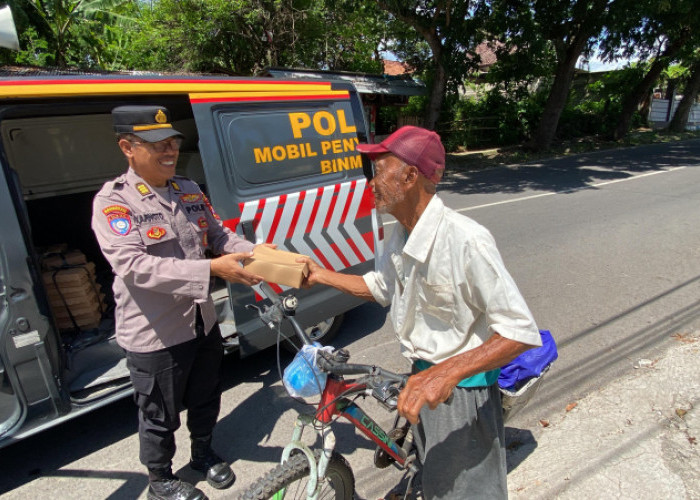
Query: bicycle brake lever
[[269, 315], [341, 356], [387, 394]]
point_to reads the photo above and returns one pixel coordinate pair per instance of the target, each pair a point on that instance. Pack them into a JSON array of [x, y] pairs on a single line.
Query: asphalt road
[[603, 246]]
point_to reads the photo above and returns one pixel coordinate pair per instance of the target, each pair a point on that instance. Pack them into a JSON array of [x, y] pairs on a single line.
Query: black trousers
[[185, 376]]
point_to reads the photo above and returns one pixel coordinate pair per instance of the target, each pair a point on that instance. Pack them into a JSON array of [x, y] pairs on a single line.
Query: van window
[[57, 155], [62, 154], [267, 145]]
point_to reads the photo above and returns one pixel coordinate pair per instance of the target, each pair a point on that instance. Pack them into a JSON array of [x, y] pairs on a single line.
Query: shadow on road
[[608, 362], [573, 173], [520, 443], [43, 454], [254, 418]]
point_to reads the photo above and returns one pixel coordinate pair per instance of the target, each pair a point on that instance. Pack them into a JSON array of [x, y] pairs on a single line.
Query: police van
[[277, 160]]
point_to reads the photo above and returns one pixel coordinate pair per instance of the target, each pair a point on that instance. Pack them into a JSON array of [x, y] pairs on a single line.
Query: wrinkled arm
[[351, 284], [435, 384]]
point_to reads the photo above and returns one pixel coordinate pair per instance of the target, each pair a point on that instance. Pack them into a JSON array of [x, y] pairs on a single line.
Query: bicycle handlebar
[[384, 384], [281, 308], [329, 362]]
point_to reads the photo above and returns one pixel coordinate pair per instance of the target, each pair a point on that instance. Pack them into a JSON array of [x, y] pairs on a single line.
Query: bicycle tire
[[340, 481]]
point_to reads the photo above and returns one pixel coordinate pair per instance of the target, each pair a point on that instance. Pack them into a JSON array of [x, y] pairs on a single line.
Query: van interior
[[59, 159]]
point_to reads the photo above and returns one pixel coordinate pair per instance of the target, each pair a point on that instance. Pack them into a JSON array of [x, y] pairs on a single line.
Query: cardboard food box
[[277, 266], [61, 259], [72, 276], [72, 289]]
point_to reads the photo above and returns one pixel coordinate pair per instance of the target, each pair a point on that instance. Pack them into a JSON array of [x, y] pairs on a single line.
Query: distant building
[[397, 68]]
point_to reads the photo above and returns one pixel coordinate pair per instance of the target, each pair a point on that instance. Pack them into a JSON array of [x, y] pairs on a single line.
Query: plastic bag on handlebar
[[302, 378]]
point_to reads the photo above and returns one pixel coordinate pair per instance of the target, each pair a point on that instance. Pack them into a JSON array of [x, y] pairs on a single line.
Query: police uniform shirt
[[155, 244]]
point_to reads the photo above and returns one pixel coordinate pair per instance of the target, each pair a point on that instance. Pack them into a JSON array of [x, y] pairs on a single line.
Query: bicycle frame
[[334, 403]]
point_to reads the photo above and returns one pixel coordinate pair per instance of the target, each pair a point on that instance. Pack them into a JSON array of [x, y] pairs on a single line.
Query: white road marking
[[588, 186], [542, 195]]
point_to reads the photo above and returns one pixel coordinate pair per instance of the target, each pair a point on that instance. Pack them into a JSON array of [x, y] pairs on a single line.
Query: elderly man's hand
[[314, 271], [432, 387]]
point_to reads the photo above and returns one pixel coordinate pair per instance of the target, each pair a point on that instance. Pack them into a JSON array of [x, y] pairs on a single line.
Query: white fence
[[659, 115]]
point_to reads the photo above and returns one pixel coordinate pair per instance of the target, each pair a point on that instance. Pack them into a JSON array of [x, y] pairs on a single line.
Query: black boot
[[219, 473], [163, 485]]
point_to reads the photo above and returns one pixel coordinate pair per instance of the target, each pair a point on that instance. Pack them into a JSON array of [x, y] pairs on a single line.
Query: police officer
[[154, 228]]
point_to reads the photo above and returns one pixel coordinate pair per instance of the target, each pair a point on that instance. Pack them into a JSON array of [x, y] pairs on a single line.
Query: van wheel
[[323, 332]]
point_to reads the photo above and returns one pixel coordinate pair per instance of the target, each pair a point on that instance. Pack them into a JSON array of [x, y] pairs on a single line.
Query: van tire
[[327, 331]]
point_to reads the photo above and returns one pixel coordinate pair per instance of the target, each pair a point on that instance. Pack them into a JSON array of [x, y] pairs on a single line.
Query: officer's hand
[[229, 267], [432, 387], [314, 271]]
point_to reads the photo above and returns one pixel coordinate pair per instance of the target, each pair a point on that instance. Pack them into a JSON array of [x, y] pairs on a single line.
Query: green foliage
[[675, 71], [416, 106], [494, 120], [501, 119], [439, 39], [594, 108], [34, 50], [533, 39], [244, 36], [75, 25], [66, 33]]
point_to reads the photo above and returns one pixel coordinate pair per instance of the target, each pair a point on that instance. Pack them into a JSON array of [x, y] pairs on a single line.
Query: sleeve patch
[[118, 218]]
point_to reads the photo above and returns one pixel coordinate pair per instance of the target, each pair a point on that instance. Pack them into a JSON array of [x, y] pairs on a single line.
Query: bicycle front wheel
[[288, 480]]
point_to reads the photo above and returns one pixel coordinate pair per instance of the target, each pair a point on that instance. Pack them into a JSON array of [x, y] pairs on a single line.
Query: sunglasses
[[162, 146]]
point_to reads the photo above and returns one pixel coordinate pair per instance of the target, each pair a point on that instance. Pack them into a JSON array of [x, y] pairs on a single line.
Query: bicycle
[[326, 472]]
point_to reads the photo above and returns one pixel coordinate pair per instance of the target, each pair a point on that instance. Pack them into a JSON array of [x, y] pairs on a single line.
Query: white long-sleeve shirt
[[448, 287]]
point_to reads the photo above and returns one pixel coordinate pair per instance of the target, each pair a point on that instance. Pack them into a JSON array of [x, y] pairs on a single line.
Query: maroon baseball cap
[[416, 146]]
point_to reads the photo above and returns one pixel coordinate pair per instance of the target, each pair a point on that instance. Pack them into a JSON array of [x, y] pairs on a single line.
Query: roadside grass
[[512, 155]]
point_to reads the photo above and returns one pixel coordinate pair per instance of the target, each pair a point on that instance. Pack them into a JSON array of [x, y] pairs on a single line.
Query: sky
[[595, 64]]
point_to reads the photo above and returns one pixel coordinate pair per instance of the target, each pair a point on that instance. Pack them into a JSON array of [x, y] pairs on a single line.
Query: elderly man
[[457, 314], [154, 228]]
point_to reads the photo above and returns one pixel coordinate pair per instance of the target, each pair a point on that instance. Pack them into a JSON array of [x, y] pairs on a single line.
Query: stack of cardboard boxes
[[73, 293]]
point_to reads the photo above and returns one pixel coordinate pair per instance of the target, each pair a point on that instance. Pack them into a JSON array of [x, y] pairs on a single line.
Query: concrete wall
[[659, 116]]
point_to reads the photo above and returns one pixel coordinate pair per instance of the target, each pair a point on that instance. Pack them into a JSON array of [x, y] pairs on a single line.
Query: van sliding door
[[28, 346], [281, 167]]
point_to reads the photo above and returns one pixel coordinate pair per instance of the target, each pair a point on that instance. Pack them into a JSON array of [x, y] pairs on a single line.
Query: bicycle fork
[[317, 470]]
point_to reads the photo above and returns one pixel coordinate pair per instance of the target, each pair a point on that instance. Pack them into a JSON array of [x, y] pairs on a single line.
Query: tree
[[570, 29], [64, 23], [450, 28], [670, 29], [242, 37], [690, 94]]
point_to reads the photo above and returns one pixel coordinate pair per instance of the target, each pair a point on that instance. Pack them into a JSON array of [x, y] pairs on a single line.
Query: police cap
[[150, 123]]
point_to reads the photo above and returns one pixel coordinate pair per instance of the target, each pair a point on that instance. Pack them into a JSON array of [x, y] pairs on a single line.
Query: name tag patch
[[195, 208], [148, 218]]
